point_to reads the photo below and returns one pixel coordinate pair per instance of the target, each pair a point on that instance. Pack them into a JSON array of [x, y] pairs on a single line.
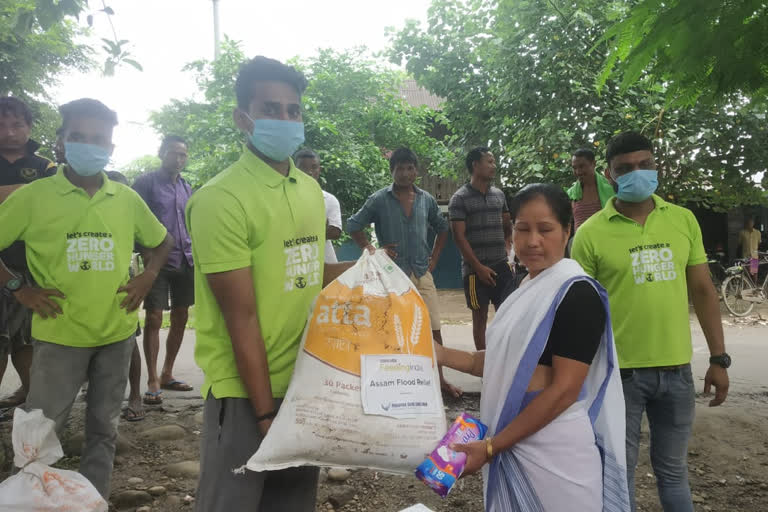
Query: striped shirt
[[393, 227], [483, 215], [582, 210]]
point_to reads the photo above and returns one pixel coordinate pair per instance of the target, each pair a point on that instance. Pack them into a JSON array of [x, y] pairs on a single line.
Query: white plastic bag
[[371, 309], [37, 487]]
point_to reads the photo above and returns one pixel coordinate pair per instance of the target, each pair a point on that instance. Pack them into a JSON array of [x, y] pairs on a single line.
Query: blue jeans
[[668, 398]]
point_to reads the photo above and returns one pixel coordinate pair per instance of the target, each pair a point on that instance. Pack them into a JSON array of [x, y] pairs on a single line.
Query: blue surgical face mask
[[637, 186], [276, 139], [86, 159]]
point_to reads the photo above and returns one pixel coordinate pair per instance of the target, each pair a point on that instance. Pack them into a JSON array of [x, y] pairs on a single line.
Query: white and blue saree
[[576, 462]]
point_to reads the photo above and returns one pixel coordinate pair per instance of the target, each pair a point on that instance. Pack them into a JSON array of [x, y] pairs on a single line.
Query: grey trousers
[[56, 376], [230, 437]]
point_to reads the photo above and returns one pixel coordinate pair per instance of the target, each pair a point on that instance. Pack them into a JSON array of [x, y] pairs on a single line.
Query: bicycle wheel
[[733, 287]]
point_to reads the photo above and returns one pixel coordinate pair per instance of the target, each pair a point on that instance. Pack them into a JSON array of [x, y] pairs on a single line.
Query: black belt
[[671, 368]]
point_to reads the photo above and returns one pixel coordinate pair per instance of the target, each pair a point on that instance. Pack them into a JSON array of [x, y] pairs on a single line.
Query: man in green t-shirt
[[79, 248], [648, 254], [258, 238]]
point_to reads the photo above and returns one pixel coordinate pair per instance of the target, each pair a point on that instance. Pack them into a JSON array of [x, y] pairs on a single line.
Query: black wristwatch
[[14, 284], [723, 360]]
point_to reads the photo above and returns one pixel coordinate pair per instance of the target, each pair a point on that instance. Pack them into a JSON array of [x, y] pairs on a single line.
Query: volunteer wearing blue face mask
[[258, 239], [648, 254], [79, 229]]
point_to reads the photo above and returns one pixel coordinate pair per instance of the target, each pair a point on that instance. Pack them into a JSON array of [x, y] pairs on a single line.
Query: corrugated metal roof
[[417, 96]]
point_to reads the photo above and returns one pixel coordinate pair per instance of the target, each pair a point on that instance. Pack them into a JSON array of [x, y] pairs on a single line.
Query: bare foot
[[449, 388], [15, 399]]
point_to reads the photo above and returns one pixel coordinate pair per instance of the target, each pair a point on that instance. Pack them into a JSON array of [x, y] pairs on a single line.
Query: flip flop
[[176, 385], [130, 414], [152, 398]]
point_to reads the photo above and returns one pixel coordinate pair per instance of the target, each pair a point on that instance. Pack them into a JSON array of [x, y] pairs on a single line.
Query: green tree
[[704, 49], [519, 76], [206, 121], [31, 15], [352, 114], [139, 166], [30, 61]]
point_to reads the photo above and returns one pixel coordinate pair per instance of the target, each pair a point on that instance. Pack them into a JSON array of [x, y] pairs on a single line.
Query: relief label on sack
[[399, 386]]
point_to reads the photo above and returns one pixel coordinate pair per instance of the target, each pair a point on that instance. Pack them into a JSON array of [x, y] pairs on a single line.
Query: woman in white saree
[[551, 393]]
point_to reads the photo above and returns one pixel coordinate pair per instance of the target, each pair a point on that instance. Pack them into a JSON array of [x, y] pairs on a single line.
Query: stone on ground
[[73, 446], [131, 499], [165, 433], [338, 474], [185, 469], [157, 490], [341, 495]]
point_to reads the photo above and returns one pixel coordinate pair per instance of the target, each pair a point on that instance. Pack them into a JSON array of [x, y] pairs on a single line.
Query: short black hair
[[304, 153], [118, 177], [263, 68], [15, 107], [627, 142], [475, 155], [86, 107], [170, 139], [555, 197], [402, 156], [584, 153]]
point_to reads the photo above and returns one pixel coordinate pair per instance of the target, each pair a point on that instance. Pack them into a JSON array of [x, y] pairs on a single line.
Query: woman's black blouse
[[578, 326]]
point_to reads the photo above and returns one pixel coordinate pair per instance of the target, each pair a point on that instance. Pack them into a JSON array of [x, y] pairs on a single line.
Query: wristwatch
[[14, 284], [723, 360]]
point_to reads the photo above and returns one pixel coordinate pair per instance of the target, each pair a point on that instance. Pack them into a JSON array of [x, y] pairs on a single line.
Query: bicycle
[[717, 271], [740, 291]]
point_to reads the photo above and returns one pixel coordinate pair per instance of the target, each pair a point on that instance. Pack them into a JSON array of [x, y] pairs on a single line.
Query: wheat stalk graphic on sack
[[416, 326], [399, 332]]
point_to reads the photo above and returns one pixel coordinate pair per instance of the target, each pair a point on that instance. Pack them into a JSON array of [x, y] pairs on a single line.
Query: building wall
[[720, 231], [441, 188]]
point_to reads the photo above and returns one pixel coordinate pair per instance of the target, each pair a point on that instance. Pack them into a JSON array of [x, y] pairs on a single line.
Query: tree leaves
[[133, 63], [530, 94], [704, 49], [31, 60], [29, 17], [352, 114]]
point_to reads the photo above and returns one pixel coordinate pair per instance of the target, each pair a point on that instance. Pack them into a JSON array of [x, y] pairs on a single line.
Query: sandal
[[153, 398], [176, 385], [130, 414]]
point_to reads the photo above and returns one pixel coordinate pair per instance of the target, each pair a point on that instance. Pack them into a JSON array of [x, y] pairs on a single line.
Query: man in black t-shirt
[[19, 165]]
